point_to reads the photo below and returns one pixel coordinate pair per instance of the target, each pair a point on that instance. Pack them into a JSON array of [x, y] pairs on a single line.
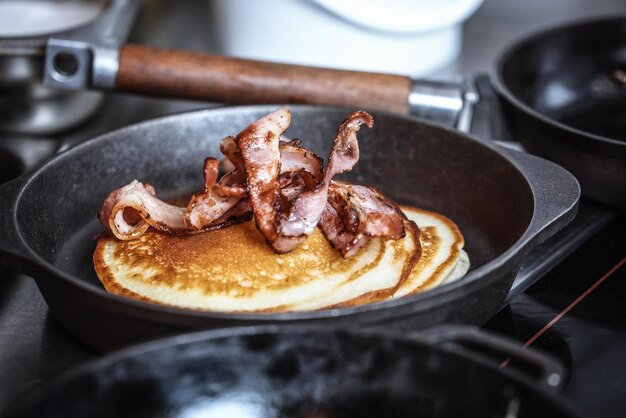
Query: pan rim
[[529, 37], [35, 43], [476, 279]]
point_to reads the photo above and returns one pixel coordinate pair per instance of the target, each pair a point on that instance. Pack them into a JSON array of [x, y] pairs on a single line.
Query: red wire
[[569, 308]]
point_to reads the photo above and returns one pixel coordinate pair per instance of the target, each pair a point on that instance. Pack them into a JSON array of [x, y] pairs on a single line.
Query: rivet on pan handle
[[89, 56], [498, 352]]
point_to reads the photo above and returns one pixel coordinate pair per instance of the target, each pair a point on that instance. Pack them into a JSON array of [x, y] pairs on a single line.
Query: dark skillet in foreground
[[503, 203], [308, 372], [564, 96]]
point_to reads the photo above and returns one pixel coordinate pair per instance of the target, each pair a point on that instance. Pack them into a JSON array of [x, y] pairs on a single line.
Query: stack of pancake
[[233, 270]]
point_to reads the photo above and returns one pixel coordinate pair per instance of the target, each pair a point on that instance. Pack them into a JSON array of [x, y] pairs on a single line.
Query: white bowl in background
[[412, 37]]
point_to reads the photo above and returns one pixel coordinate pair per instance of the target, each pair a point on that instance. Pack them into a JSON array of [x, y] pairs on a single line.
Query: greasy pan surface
[[305, 373], [564, 96], [412, 162]]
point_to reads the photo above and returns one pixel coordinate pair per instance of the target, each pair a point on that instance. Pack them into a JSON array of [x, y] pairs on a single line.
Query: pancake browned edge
[[233, 270], [104, 272], [384, 294], [442, 260]]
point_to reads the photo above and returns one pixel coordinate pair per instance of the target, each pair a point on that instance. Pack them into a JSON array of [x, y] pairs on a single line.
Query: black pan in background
[[504, 203], [309, 372], [563, 92]]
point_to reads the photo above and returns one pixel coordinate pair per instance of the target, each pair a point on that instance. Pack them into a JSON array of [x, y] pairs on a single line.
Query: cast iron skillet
[[563, 92], [309, 372], [504, 203]]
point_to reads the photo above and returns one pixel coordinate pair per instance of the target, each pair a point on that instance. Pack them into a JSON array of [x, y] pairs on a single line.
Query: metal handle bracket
[[445, 103], [88, 57]]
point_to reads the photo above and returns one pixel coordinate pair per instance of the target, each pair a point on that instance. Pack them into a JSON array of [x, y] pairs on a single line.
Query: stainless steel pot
[[26, 105]]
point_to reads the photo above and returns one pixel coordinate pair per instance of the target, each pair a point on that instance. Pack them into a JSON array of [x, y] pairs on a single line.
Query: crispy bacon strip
[[354, 214], [130, 210], [232, 163], [206, 208], [218, 202], [145, 210], [294, 157], [131, 216], [308, 207], [276, 179], [259, 147]]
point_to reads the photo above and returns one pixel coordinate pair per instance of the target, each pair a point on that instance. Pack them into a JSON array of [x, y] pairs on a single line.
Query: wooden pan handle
[[215, 78]]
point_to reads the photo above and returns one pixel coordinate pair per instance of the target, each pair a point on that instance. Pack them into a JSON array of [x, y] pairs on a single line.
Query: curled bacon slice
[[308, 207], [354, 214], [131, 216], [294, 157], [232, 163], [208, 207], [276, 179], [130, 210], [259, 147]]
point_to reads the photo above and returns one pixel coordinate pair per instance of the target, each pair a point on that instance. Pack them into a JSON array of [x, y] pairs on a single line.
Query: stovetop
[[577, 313], [573, 312]]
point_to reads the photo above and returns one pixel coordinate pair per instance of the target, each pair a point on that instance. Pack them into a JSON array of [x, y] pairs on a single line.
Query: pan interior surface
[[414, 163], [305, 374], [575, 75]]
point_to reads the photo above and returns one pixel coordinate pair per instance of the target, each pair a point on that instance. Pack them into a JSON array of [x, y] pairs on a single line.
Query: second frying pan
[[563, 92], [285, 372]]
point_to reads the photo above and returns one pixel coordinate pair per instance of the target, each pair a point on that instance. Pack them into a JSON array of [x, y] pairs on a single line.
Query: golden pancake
[[379, 281], [233, 270], [443, 259]]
